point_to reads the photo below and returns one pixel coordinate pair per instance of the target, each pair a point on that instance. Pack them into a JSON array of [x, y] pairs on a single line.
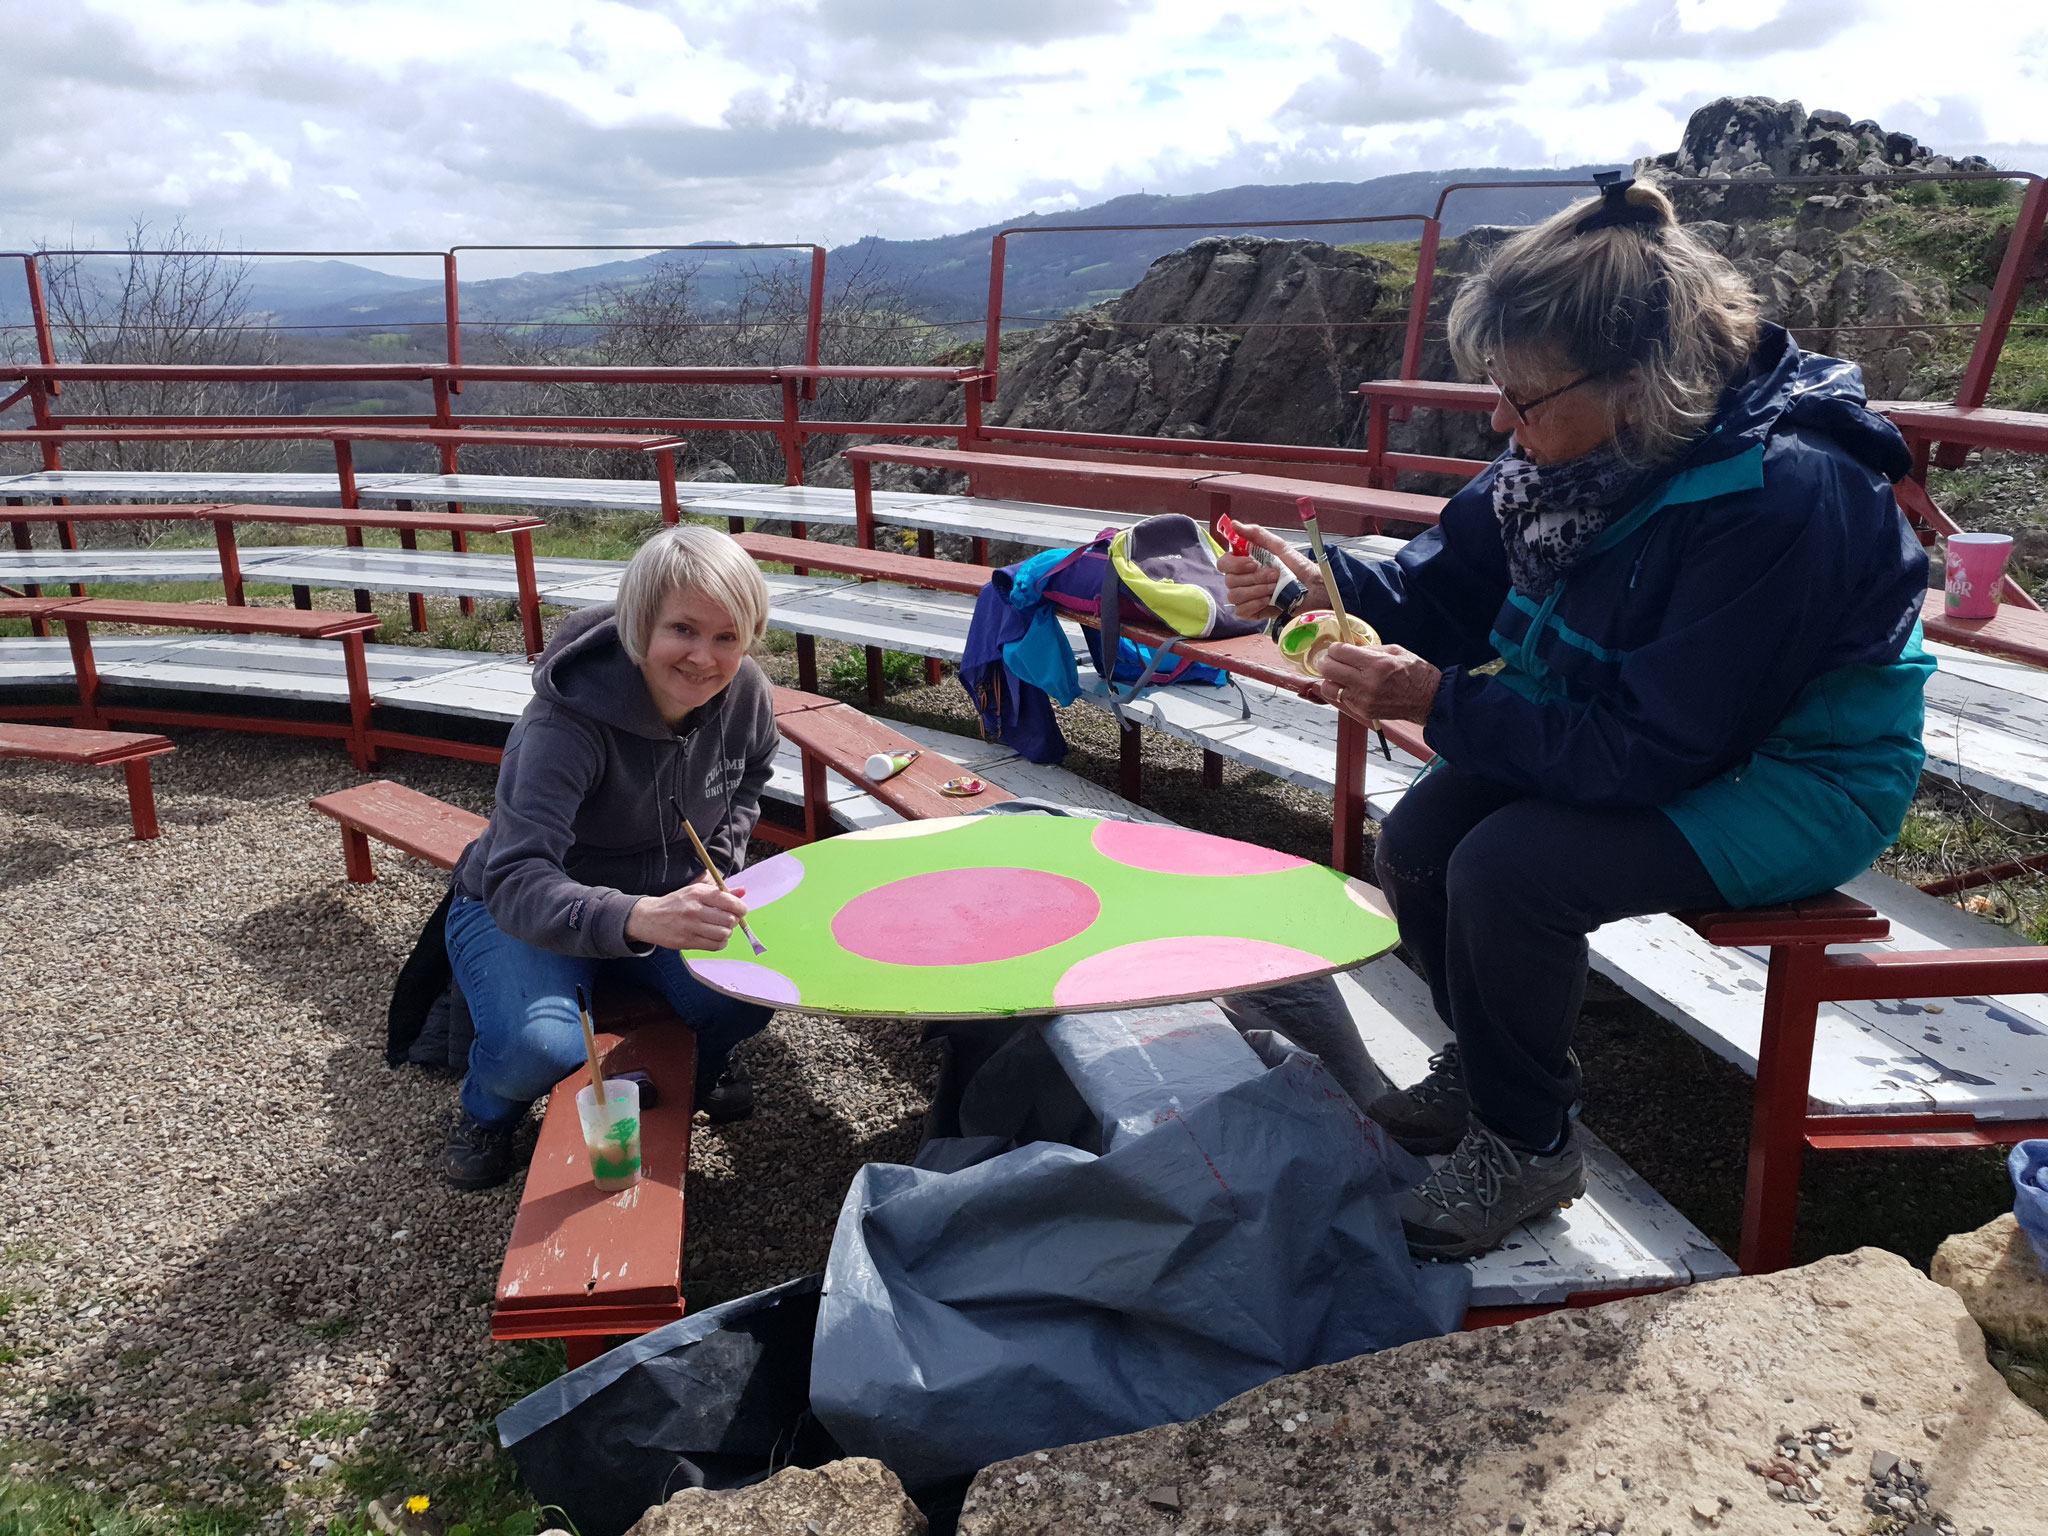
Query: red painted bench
[[96, 749], [581, 1265], [77, 615], [225, 516]]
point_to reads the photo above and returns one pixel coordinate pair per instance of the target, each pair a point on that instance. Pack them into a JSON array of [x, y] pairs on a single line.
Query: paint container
[[1975, 568], [611, 1133], [886, 765], [1306, 636]]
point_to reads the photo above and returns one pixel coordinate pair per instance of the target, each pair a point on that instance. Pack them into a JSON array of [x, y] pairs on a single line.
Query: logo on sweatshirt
[[728, 775], [576, 913]]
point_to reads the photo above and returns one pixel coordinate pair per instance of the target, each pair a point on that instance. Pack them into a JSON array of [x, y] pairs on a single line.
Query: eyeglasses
[[1522, 408]]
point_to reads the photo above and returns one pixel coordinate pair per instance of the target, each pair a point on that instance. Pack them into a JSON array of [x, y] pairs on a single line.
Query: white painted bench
[[1620, 1236]]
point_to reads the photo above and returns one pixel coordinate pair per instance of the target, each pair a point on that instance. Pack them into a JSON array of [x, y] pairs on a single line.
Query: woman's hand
[[1379, 682], [699, 916], [1249, 585]]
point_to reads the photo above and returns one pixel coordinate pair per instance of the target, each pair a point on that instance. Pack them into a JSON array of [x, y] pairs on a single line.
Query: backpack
[[1160, 572]]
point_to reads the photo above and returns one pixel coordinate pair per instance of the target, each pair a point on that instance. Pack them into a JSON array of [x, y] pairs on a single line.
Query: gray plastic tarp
[[1238, 1223]]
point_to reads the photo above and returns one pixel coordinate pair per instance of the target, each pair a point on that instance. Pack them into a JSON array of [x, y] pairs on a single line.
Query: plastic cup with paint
[[886, 765], [1975, 569], [611, 1132]]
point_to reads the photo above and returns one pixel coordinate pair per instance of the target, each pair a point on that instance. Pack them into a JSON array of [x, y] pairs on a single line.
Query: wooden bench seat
[[584, 1266], [126, 750], [78, 615], [227, 516], [409, 821]]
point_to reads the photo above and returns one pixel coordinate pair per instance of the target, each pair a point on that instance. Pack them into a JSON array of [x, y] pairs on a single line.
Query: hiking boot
[[1431, 1116], [477, 1156], [729, 1096], [1485, 1190]]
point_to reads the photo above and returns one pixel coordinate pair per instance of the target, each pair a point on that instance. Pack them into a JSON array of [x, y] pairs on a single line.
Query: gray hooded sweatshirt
[[592, 788]]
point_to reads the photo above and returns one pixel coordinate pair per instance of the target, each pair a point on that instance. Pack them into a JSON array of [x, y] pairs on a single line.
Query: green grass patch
[[1403, 256], [900, 669], [332, 1424], [332, 1328], [527, 1366], [48, 1508]]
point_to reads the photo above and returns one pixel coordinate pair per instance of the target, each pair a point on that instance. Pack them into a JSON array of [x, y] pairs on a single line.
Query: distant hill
[[1047, 273]]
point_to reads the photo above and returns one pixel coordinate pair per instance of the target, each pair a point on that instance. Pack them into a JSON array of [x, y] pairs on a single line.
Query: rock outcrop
[[854, 1497], [1687, 1412], [2000, 1280]]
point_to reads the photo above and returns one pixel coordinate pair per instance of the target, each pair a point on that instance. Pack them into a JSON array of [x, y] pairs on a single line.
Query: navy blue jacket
[[1680, 664]]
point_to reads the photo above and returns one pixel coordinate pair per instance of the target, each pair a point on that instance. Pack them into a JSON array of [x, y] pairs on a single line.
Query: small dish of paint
[[962, 787]]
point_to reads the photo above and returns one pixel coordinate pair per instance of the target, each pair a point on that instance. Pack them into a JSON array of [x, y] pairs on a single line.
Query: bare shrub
[[172, 298], [673, 319]]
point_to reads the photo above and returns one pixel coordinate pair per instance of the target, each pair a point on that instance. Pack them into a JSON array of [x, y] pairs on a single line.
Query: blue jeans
[[523, 999]]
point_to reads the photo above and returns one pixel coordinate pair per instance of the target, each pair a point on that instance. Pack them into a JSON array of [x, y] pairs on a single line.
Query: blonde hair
[[1659, 322], [689, 557]]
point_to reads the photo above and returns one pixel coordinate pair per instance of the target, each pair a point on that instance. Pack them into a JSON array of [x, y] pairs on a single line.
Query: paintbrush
[[590, 1048], [1306, 509], [704, 853]]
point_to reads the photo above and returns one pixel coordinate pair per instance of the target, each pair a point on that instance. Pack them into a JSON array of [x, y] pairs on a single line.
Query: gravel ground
[[223, 1250]]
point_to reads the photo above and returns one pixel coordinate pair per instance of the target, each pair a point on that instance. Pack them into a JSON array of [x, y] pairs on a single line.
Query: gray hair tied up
[[1631, 300]]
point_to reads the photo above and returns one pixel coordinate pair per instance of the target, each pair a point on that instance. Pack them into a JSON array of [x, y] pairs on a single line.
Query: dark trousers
[[1495, 891]]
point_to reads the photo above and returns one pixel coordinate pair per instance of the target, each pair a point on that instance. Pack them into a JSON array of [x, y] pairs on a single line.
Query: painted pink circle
[[747, 979], [769, 880], [1180, 967], [1168, 850], [965, 917]]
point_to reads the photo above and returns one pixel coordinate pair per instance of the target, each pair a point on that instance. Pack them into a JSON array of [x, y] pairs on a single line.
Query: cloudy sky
[[421, 123]]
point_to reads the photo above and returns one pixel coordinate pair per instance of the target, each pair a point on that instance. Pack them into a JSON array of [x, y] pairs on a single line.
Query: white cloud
[[384, 122]]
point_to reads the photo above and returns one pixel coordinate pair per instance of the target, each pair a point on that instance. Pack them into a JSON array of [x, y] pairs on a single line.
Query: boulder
[[1248, 338], [854, 1497], [1995, 1272], [1725, 135], [1720, 1407]]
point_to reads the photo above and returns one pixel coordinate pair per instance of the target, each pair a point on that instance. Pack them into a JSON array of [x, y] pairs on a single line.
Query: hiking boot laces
[[1475, 1174], [1446, 1079]]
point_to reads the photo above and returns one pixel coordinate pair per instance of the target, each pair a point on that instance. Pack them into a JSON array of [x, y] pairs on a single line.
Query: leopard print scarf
[[1551, 514]]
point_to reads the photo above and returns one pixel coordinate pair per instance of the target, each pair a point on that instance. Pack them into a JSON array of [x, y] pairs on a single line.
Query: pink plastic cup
[[1975, 568]]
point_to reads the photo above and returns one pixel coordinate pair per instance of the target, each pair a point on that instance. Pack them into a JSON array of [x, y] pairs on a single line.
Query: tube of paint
[[886, 765]]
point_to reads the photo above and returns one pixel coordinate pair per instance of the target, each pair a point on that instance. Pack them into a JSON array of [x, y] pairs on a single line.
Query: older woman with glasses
[[1666, 648]]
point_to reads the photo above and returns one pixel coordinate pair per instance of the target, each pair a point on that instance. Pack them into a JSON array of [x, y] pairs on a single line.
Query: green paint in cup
[[611, 1133]]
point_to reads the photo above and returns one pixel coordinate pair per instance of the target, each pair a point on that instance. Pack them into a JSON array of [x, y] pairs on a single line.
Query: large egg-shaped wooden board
[[976, 916]]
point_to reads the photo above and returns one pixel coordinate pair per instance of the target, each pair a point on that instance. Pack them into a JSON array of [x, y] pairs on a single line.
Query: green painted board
[[980, 916]]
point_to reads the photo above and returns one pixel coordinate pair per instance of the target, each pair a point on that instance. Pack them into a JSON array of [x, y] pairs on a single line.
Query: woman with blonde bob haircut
[[643, 716], [1666, 647]]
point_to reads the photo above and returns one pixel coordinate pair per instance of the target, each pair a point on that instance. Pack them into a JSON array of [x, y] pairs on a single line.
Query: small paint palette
[[962, 788]]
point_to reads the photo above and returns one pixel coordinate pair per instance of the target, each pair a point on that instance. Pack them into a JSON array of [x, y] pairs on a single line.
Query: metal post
[[141, 798], [2005, 298], [84, 671], [791, 435], [529, 590], [230, 562], [1777, 1127], [453, 304], [817, 320], [46, 344], [358, 668], [992, 341], [1418, 301], [1347, 823]]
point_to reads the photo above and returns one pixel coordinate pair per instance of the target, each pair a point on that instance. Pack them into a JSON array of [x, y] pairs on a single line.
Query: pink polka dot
[[746, 979], [769, 880], [1157, 968], [1170, 850], [965, 917]]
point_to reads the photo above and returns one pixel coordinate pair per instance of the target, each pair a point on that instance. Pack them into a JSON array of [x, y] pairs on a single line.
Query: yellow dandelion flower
[[417, 1504]]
